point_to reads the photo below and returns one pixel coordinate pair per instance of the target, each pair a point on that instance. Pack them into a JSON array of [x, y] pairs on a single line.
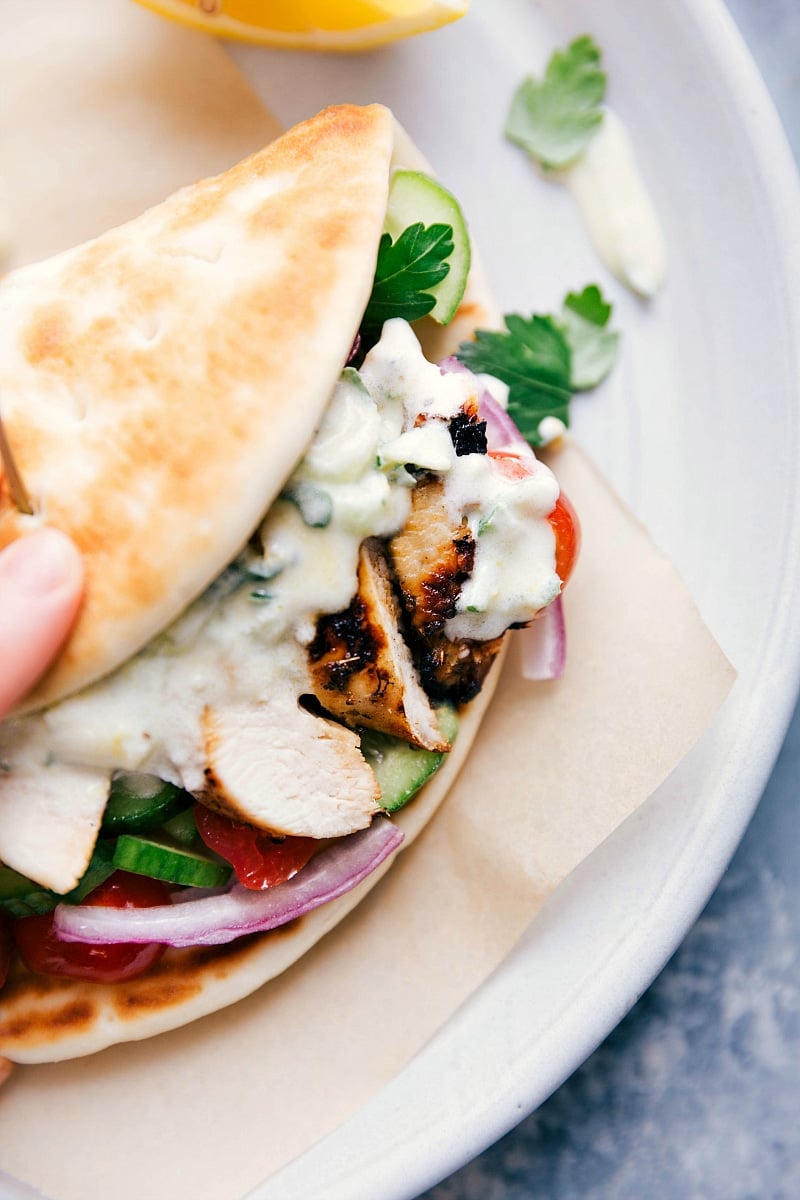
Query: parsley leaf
[[594, 348], [534, 359], [556, 119], [545, 359], [589, 304], [405, 271]]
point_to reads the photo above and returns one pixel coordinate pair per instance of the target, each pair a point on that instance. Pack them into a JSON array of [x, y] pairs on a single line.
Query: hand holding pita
[[41, 584]]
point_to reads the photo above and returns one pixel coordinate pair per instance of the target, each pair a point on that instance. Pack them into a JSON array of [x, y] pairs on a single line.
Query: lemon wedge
[[313, 24]]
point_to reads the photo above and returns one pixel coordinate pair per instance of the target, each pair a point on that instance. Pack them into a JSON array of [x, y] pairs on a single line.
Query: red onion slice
[[544, 644], [501, 432], [215, 920], [453, 366]]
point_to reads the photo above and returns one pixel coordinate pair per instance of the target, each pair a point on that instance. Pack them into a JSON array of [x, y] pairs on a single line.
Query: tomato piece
[[6, 947], [512, 466], [259, 859], [566, 527], [42, 950]]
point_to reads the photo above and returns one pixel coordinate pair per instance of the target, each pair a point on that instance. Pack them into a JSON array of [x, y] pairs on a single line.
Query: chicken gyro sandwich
[[304, 541]]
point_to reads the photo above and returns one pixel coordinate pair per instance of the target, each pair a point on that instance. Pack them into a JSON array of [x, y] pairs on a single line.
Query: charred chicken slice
[[361, 668], [433, 557]]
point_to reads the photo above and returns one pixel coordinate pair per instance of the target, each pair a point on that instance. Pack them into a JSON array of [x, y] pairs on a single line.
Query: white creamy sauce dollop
[[514, 573], [617, 208], [550, 430]]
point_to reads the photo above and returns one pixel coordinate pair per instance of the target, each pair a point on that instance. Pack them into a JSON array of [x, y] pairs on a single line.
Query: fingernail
[[39, 563]]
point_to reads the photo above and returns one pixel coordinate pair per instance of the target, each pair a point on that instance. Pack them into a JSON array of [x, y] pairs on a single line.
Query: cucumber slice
[[400, 769], [416, 197], [138, 803], [174, 864]]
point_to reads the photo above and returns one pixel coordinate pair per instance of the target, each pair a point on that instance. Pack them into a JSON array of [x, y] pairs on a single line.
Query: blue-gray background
[[696, 1095]]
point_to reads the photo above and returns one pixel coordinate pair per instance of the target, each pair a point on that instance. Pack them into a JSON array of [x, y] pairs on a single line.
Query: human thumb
[[41, 582]]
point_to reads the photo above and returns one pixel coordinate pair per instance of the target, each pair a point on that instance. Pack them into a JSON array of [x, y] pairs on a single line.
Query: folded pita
[[159, 385]]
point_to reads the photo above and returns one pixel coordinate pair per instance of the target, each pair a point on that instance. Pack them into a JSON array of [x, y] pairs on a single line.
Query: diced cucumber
[[172, 863], [401, 769], [183, 829], [21, 897], [416, 197], [101, 865], [313, 503], [138, 803]]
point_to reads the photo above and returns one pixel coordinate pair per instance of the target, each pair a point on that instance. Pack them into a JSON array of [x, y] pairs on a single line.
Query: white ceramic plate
[[698, 429]]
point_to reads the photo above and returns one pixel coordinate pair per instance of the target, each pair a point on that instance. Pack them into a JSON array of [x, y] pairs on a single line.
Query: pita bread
[[47, 1019]]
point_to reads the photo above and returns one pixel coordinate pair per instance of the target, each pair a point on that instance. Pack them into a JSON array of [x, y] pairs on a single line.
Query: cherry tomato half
[[565, 525], [259, 860], [42, 950]]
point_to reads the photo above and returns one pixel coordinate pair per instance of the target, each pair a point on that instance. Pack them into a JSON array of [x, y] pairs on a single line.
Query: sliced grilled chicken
[[283, 770], [361, 668], [49, 821], [433, 558], [455, 670]]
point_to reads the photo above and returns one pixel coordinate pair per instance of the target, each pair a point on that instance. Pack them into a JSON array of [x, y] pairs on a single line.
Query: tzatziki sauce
[[617, 209]]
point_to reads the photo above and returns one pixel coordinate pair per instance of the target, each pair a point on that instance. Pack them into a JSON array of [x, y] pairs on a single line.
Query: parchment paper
[[106, 109]]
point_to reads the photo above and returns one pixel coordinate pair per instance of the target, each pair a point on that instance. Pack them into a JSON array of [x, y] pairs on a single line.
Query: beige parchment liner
[[106, 110]]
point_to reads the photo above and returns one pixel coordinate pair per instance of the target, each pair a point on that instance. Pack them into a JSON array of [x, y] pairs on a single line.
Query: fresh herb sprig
[[556, 118], [584, 320], [405, 272], [544, 360]]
